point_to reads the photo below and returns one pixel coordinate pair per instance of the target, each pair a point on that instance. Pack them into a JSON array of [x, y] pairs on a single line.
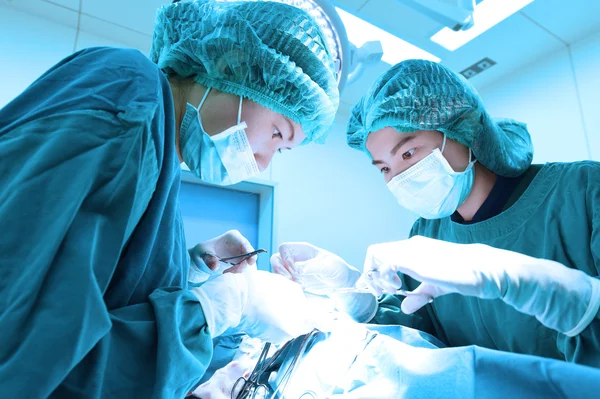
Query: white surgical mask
[[225, 158], [431, 188]]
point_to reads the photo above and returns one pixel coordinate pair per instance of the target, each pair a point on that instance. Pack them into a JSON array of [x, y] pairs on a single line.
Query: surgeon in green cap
[[504, 255], [94, 267]]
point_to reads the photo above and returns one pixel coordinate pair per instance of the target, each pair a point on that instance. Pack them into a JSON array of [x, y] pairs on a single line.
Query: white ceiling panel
[[137, 15], [570, 20], [86, 40], [48, 11], [350, 5], [116, 33], [70, 4], [512, 44]]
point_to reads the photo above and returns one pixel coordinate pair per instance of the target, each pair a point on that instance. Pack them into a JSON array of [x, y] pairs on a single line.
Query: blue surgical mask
[[224, 158], [431, 188]]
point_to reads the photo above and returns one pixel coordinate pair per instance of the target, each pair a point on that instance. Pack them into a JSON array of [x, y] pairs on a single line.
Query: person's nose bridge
[[264, 158], [396, 169]]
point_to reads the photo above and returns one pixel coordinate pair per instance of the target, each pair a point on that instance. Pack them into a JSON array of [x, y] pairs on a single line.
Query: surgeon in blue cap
[[504, 255], [94, 297]]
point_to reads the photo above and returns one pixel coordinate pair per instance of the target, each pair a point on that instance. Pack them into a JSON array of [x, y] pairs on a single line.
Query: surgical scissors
[[251, 387], [243, 257]]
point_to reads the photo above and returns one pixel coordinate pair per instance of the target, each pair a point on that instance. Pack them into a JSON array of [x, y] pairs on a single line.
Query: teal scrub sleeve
[[74, 185], [584, 348]]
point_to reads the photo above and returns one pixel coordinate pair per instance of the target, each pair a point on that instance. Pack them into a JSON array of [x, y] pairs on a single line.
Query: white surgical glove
[[563, 299], [203, 266], [322, 273], [260, 304]]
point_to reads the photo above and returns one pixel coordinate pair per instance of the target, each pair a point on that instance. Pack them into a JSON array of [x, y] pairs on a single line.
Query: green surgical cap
[[271, 53], [423, 95]]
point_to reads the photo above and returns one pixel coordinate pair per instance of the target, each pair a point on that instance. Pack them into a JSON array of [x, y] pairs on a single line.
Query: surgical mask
[[223, 159], [431, 188]]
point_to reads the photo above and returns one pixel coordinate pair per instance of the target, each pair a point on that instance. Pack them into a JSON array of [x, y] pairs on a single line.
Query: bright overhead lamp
[[395, 49], [487, 14]]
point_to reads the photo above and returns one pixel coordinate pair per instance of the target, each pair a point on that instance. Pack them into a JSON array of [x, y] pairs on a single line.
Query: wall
[[558, 97], [30, 45], [331, 196]]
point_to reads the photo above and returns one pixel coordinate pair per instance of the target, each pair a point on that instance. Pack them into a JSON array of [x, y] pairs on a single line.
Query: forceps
[[367, 291], [251, 388], [236, 260]]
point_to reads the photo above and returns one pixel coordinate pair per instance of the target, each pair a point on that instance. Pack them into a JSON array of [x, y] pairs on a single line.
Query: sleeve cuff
[[209, 314], [592, 309]]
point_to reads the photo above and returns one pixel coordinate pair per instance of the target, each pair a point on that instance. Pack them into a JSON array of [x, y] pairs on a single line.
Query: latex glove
[[261, 304], [318, 271], [220, 385], [203, 266], [563, 299]]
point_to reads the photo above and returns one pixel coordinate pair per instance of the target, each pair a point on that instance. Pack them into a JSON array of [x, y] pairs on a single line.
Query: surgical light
[[395, 49], [487, 14]]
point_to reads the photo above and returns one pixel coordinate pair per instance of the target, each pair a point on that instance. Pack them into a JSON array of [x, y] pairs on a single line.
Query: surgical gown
[[556, 217], [93, 257]]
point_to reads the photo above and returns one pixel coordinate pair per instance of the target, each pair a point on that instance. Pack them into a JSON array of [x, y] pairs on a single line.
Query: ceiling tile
[[513, 43], [570, 20], [70, 4], [48, 11], [115, 33], [350, 5], [30, 45], [137, 15], [87, 39]]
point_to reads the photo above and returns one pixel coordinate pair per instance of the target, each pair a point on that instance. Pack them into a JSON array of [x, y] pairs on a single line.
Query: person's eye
[[408, 154], [384, 170], [277, 134]]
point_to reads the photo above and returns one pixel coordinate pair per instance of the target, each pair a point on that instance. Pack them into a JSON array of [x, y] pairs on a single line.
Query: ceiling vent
[[478, 67]]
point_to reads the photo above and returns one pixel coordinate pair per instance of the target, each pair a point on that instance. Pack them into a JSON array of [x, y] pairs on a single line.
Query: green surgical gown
[[93, 260], [556, 217]]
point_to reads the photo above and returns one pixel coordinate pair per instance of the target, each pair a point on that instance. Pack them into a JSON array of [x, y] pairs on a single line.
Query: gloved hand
[[318, 271], [203, 265], [561, 298], [221, 384], [260, 304]]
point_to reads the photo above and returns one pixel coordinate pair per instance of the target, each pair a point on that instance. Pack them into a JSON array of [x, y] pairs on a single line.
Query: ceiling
[[540, 28]]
